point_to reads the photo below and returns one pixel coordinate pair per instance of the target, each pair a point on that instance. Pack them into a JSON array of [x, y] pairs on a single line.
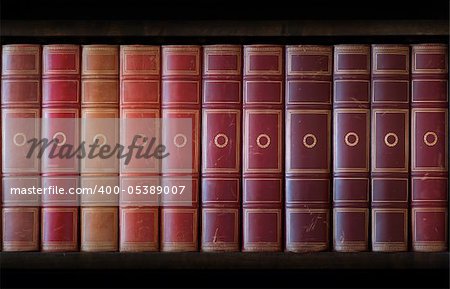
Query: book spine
[[181, 106], [60, 113], [390, 147], [221, 146], [308, 151], [21, 101], [262, 148], [351, 146], [140, 81], [429, 145], [100, 113]]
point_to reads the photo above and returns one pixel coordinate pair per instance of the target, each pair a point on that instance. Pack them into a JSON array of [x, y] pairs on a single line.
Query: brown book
[[100, 113], [308, 147], [140, 100], [351, 142], [429, 147], [21, 101]]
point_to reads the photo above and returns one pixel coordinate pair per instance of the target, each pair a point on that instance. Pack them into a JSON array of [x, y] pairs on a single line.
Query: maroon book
[[181, 105], [21, 99], [221, 146], [262, 148], [429, 146], [60, 111], [351, 139], [308, 152], [390, 147], [140, 99]]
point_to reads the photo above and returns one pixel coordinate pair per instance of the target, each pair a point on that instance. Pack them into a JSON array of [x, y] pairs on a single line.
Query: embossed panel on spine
[[308, 152], [263, 129], [429, 147], [221, 147], [20, 99], [390, 147], [351, 147]]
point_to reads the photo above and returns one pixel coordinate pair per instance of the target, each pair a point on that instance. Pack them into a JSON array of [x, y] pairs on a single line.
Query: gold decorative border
[[87, 245], [366, 227], [289, 101], [390, 201], [235, 212], [308, 50], [374, 138], [234, 50], [414, 212], [123, 82], [414, 168], [11, 50], [21, 245], [290, 211], [238, 190], [257, 50], [92, 50], [350, 200], [280, 101], [60, 245], [246, 147], [388, 245], [428, 80], [338, 111], [48, 51], [401, 50], [239, 82], [427, 178], [49, 81], [390, 101], [280, 190], [429, 49], [37, 101], [351, 71], [289, 114], [247, 212], [146, 244], [352, 80], [114, 100], [179, 245], [310, 202], [141, 50], [237, 137], [197, 92], [186, 50]]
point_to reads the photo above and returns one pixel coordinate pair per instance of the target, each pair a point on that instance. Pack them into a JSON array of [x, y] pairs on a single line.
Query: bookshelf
[[130, 25]]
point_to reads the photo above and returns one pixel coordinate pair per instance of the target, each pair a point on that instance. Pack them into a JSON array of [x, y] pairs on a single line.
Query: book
[[60, 113], [351, 147], [390, 147], [308, 147], [100, 113], [429, 147], [181, 106], [21, 101], [262, 173], [140, 101], [221, 147]]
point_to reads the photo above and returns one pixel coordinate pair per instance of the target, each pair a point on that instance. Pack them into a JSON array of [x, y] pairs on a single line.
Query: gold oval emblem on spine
[[351, 143], [16, 137], [309, 136], [218, 137], [178, 144], [64, 138], [425, 138], [266, 137], [387, 142]]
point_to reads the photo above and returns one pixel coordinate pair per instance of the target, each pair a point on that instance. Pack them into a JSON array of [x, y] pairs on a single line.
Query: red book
[[429, 163], [21, 101], [60, 113], [351, 139], [262, 148], [308, 152], [140, 80], [390, 147], [221, 166], [181, 105], [99, 112]]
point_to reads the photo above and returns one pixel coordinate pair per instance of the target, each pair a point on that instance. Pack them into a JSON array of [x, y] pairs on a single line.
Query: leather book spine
[[100, 114], [60, 113], [390, 147], [21, 104], [221, 147], [351, 147], [181, 106], [429, 146], [263, 130], [308, 147], [140, 95]]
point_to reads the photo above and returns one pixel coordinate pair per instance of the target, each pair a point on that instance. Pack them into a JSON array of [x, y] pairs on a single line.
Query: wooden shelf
[[224, 28], [194, 261]]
